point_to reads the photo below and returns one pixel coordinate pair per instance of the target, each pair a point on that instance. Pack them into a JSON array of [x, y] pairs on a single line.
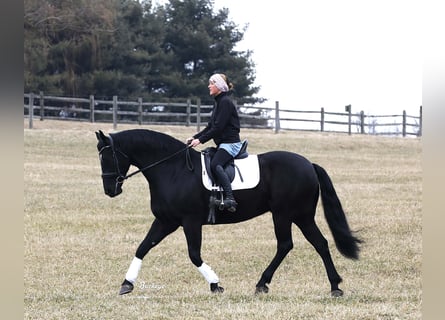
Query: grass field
[[79, 243]]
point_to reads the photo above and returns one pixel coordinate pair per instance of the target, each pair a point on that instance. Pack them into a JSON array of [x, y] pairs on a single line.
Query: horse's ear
[[100, 136]]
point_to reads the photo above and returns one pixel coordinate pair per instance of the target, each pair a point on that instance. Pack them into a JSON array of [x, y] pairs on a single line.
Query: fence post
[[348, 109], [31, 109], [419, 133], [322, 119], [198, 114], [140, 110], [187, 119], [91, 108], [42, 106], [114, 112], [277, 117], [362, 122], [404, 124]]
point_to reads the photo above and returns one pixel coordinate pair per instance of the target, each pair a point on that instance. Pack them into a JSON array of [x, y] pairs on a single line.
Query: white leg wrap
[[133, 270], [208, 273]]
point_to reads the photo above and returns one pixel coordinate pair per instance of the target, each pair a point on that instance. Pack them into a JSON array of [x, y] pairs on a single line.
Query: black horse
[[289, 188]]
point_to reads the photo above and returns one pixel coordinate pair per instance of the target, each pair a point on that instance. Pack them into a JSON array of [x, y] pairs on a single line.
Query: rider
[[223, 128]]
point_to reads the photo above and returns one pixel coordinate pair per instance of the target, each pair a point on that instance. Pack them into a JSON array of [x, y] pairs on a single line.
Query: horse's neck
[[145, 151], [160, 165]]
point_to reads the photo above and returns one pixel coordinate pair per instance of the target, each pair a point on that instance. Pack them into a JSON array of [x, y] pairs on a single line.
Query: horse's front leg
[[158, 231], [193, 234]]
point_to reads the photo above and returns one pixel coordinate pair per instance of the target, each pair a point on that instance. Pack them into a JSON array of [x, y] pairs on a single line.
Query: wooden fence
[[187, 113]]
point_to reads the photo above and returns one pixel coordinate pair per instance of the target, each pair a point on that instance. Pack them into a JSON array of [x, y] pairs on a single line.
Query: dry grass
[[79, 243]]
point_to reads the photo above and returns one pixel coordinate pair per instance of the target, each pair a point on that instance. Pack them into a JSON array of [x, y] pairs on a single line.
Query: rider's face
[[213, 90]]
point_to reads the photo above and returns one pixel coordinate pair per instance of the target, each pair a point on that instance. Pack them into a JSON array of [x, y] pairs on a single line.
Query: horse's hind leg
[[314, 236], [157, 232], [283, 234]]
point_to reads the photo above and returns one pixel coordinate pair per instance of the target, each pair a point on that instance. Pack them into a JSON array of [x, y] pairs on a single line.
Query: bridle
[[120, 178]]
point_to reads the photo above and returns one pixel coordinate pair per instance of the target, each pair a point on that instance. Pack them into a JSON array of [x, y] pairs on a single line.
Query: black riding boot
[[229, 200]]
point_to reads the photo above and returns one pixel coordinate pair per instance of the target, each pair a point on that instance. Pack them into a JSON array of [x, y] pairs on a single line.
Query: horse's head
[[114, 164]]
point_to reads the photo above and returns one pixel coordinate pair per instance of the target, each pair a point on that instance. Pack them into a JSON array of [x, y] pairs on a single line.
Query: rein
[[121, 178], [188, 162]]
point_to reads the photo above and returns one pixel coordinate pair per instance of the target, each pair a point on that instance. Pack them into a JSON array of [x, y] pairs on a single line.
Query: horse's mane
[[140, 138]]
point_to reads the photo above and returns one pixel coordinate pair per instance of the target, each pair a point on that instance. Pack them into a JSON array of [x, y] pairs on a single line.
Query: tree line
[[133, 49]]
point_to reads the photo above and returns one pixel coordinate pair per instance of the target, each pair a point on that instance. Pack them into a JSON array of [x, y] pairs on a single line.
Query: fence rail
[[187, 113]]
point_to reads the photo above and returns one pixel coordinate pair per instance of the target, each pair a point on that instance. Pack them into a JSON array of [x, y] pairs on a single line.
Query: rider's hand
[[194, 143]]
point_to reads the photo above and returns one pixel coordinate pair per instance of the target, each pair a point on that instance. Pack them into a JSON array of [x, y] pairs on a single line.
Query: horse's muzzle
[[113, 189], [113, 193]]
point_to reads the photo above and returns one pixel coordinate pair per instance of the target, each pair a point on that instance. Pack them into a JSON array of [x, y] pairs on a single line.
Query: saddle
[[229, 168], [243, 173]]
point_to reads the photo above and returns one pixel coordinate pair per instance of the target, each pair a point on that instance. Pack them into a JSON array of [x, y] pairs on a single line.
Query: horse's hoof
[[215, 288], [262, 289], [336, 293], [126, 287]]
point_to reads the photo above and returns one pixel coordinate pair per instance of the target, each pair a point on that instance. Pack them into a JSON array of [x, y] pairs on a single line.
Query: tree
[[134, 49], [201, 43], [62, 38]]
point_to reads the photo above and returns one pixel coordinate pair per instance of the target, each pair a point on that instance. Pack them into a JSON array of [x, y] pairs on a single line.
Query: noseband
[[120, 178]]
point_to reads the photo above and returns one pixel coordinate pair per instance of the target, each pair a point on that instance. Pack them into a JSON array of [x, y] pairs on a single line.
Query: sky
[[314, 54]]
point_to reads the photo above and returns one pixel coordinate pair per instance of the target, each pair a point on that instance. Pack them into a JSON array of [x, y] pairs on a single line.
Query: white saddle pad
[[250, 172]]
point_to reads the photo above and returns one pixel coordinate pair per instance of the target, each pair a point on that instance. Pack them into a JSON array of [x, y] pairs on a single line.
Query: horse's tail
[[346, 243]]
